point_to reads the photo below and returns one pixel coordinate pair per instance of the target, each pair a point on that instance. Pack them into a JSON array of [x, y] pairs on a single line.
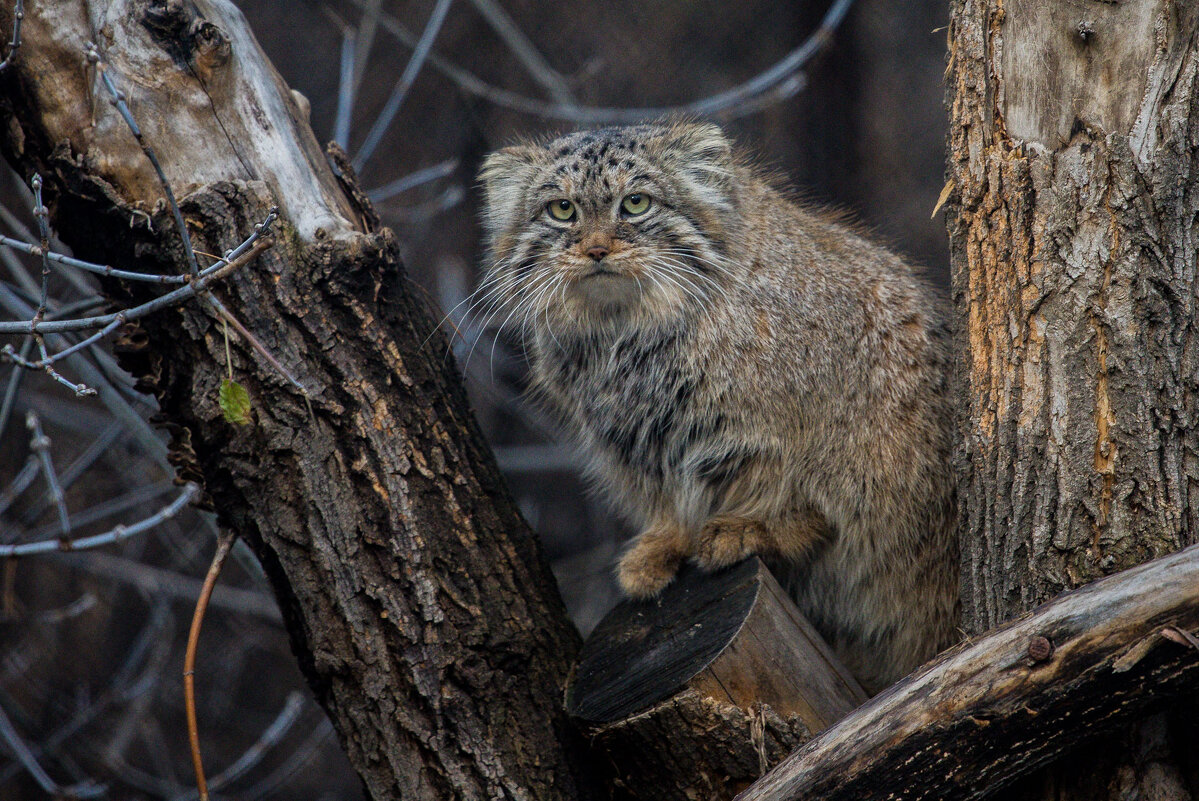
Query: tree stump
[[708, 685]]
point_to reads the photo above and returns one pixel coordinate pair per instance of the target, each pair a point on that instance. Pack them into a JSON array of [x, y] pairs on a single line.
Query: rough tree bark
[[1075, 161], [416, 598]]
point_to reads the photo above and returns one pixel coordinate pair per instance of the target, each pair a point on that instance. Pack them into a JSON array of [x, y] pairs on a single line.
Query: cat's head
[[628, 224]]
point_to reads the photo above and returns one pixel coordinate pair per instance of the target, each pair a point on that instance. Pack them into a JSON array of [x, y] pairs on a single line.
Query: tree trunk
[[1075, 162], [417, 601]]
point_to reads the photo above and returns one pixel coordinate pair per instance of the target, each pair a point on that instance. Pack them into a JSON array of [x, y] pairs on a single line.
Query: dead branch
[[990, 711]]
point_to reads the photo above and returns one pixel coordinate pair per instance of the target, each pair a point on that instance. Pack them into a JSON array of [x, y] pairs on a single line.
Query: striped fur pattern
[[744, 374]]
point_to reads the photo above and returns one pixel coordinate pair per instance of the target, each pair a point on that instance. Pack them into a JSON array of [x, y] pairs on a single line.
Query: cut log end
[[722, 659]]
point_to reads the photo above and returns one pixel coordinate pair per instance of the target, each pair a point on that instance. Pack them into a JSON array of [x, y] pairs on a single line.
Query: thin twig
[[98, 269], [209, 276], [20, 483], [118, 100], [40, 444], [345, 91], [116, 534], [526, 53], [407, 77], [116, 403], [21, 231], [41, 213], [160, 582], [10, 391], [23, 754], [413, 180], [110, 507], [224, 543], [299, 756], [47, 360], [18, 15], [731, 103], [364, 41], [113, 506], [451, 196], [45, 364], [81, 605], [111, 322], [78, 467], [255, 344], [103, 379], [269, 738]]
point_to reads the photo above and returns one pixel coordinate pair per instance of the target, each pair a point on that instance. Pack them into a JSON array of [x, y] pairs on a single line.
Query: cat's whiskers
[[715, 261], [525, 304], [549, 326], [707, 286], [663, 275], [492, 276], [670, 269], [497, 306], [487, 305], [711, 260]]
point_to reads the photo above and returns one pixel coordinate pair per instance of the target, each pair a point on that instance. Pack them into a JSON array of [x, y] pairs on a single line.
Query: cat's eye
[[562, 210], [634, 204]]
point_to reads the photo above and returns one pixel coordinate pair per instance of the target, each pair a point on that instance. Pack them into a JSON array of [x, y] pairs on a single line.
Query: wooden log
[[707, 685], [988, 712]]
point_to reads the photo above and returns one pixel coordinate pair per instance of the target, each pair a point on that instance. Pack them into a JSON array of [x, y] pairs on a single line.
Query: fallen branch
[[990, 711]]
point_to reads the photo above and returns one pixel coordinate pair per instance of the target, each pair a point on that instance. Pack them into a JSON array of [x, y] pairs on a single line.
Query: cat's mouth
[[601, 269]]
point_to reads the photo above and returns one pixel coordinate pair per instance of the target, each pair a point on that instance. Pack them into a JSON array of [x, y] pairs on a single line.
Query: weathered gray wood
[[990, 711], [707, 685]]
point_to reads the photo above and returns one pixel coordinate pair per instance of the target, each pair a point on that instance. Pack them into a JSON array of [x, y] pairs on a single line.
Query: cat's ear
[[506, 175], [703, 141], [703, 154]]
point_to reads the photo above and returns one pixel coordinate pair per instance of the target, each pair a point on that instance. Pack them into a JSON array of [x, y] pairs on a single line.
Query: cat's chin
[[606, 293]]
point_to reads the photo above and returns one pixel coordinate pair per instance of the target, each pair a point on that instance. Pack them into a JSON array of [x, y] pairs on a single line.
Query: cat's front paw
[[651, 564], [724, 541]]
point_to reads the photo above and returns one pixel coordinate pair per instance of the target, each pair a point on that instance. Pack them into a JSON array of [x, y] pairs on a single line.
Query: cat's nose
[[597, 252]]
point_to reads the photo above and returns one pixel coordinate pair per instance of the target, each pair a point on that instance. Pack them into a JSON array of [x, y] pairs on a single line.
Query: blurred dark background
[[91, 643]]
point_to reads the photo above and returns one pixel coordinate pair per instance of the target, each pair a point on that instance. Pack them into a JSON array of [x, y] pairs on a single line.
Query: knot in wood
[[1040, 648]]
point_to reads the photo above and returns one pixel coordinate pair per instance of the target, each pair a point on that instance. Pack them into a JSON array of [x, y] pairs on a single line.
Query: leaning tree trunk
[[1074, 228], [417, 601]]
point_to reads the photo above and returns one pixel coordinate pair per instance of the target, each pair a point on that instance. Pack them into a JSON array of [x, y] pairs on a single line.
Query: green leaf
[[235, 402]]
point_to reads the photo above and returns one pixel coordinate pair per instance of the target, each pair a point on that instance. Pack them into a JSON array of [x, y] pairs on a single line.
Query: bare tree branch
[[528, 55], [407, 78], [23, 754], [116, 534], [990, 711], [733, 102]]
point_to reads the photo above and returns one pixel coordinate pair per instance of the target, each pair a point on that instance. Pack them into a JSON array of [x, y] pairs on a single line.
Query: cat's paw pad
[[646, 569], [724, 541]]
